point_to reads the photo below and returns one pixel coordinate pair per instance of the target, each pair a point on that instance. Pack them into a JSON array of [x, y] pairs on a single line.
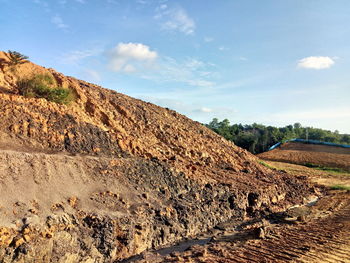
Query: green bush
[[45, 86]]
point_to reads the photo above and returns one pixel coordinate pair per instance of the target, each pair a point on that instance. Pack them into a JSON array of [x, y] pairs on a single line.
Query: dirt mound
[[109, 176], [310, 154]]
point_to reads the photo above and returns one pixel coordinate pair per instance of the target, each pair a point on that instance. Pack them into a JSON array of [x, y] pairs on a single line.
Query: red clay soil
[[300, 153]]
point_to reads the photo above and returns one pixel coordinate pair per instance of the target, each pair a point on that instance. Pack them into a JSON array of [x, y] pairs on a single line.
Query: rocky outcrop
[[109, 176]]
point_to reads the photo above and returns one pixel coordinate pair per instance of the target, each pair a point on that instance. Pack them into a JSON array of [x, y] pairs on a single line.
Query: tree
[[258, 138], [17, 58]]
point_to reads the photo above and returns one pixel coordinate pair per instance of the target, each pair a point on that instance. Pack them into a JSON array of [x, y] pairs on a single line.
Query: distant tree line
[[258, 138]]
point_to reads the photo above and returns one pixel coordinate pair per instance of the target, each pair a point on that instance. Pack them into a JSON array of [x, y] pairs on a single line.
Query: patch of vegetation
[[45, 86], [271, 167], [327, 169], [340, 187], [267, 165], [17, 58]]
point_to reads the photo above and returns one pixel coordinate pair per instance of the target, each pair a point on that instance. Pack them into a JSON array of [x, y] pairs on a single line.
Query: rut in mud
[[325, 240]]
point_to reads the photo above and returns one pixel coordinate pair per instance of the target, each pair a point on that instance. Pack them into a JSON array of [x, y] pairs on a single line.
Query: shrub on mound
[[45, 86]]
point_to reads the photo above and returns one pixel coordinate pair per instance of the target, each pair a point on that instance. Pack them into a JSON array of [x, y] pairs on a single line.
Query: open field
[[328, 178], [310, 154]]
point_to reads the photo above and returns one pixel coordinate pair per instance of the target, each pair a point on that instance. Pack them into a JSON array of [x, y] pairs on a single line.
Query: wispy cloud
[[222, 48], [243, 58], [203, 110], [316, 62], [191, 71], [130, 57], [192, 110], [63, 2], [175, 19], [44, 4], [76, 56], [142, 2], [58, 22], [91, 75], [143, 62], [208, 39]]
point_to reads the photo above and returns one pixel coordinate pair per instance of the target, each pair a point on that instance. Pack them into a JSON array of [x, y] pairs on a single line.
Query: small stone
[[18, 241], [26, 230]]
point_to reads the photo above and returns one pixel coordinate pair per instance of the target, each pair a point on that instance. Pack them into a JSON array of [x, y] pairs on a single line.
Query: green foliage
[[267, 165], [17, 58], [258, 138], [45, 86], [340, 187], [326, 169]]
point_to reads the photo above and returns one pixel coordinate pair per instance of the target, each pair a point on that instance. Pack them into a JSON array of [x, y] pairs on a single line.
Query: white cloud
[[175, 19], [58, 21], [139, 59], [316, 62], [128, 57]]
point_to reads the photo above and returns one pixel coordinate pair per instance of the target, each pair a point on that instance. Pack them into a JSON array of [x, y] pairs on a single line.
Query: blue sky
[[272, 62]]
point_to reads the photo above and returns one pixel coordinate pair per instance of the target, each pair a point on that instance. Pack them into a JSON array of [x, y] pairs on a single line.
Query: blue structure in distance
[[309, 142]]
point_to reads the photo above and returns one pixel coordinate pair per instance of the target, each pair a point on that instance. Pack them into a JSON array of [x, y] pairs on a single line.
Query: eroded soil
[[319, 233]]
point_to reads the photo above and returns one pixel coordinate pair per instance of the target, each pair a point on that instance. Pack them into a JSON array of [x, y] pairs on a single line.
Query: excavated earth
[[320, 234], [108, 176], [301, 153]]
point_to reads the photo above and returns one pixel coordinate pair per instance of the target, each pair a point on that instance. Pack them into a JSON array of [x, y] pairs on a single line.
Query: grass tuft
[[267, 165]]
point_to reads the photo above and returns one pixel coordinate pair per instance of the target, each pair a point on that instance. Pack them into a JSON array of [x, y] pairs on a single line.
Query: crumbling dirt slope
[[109, 176], [322, 236], [300, 153]]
